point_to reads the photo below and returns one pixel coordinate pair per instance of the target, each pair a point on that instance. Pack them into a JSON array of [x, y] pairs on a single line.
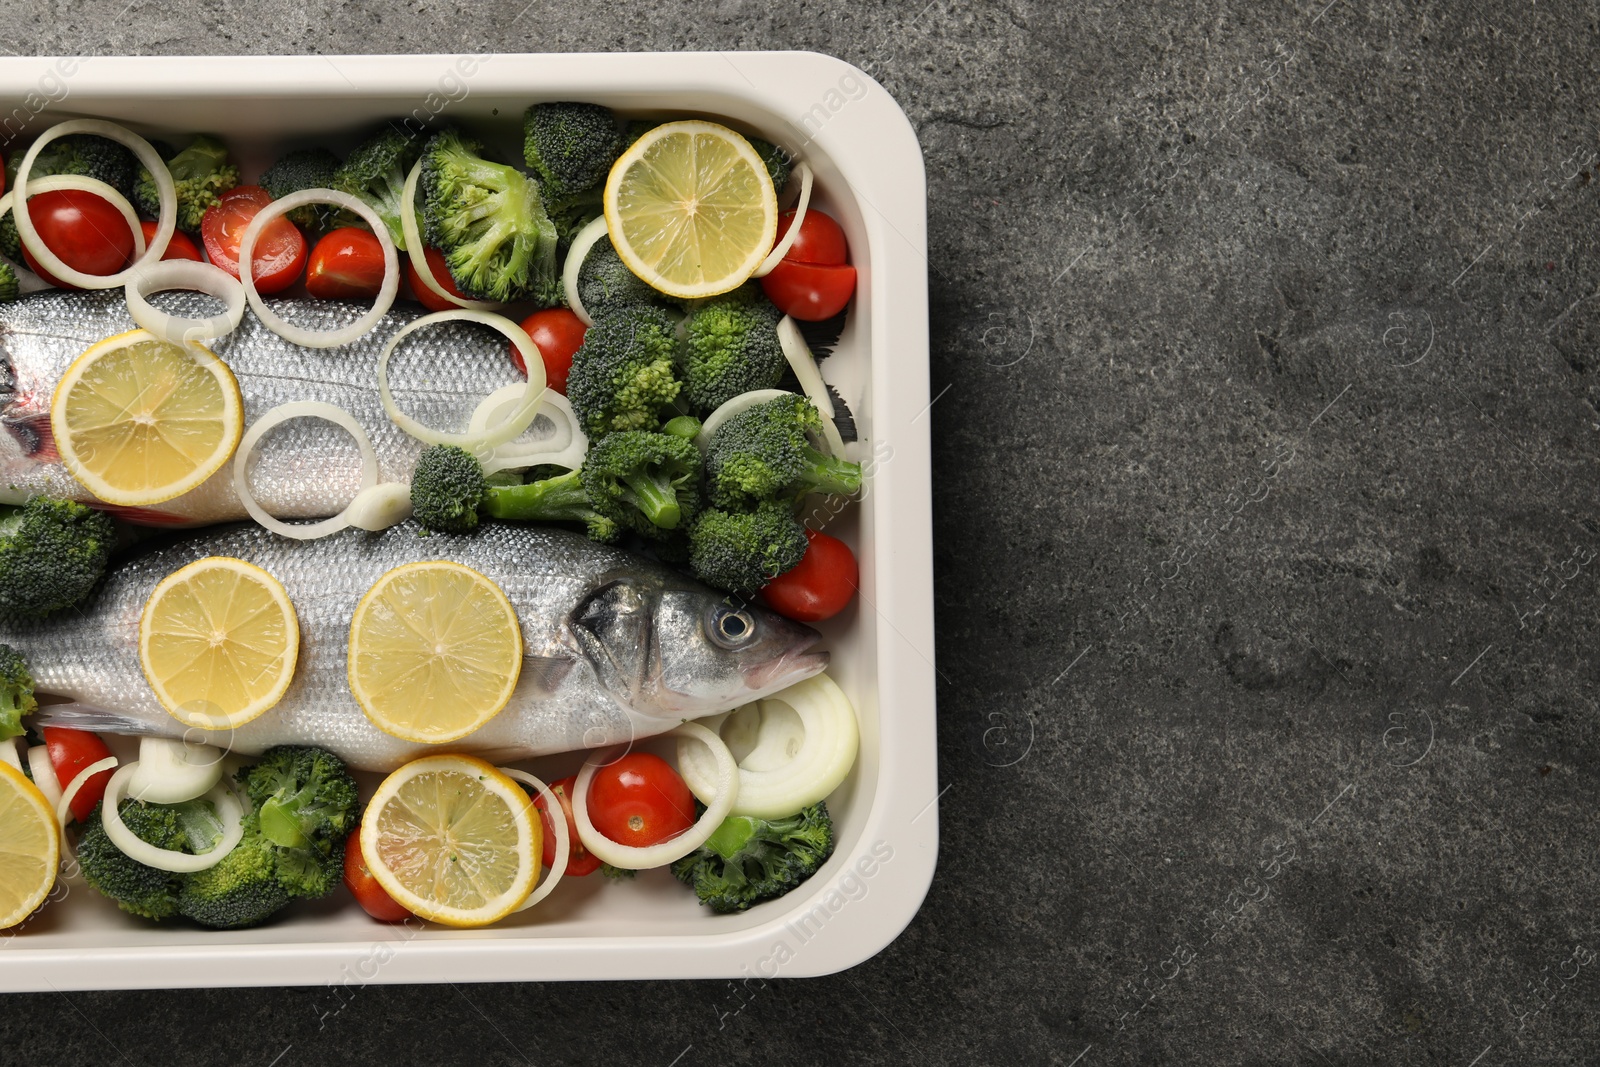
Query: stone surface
[[1265, 534]]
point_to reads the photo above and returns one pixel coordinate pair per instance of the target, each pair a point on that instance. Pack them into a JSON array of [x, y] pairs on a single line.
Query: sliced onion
[[673, 849], [781, 249], [185, 274], [419, 252], [582, 241], [172, 771], [564, 448], [152, 162], [804, 365], [484, 441], [768, 791], [321, 338], [563, 840], [731, 407], [229, 809], [380, 507], [8, 753], [64, 805], [44, 774], [297, 409]]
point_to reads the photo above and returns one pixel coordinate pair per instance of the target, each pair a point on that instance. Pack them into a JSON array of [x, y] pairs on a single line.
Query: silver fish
[[615, 646], [303, 469]]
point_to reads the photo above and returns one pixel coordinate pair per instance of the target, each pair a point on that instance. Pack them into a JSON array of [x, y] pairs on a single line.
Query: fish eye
[[730, 628]]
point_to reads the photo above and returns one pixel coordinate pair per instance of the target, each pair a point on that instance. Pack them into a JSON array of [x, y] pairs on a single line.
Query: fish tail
[[89, 717]]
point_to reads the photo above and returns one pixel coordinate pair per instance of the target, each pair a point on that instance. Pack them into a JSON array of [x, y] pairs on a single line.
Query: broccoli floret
[[623, 374], [376, 172], [732, 348], [201, 173], [9, 289], [306, 805], [646, 482], [570, 146], [778, 161], [741, 551], [134, 887], [245, 888], [305, 168], [763, 453], [76, 153], [52, 552], [747, 860], [489, 222], [16, 692], [449, 493], [606, 284]]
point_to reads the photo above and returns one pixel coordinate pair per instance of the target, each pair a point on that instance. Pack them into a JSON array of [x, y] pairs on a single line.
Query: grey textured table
[[1266, 541]]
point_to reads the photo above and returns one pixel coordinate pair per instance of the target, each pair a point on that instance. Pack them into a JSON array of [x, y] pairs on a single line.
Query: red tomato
[[580, 861], [86, 232], [441, 274], [639, 800], [558, 333], [365, 888], [821, 240], [820, 585], [810, 292], [280, 251], [70, 752], [346, 265], [180, 247]]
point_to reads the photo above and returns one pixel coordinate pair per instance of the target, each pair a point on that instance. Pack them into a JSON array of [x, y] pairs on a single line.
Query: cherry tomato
[[180, 247], [558, 333], [280, 251], [70, 752], [580, 861], [365, 888], [821, 240], [441, 274], [810, 292], [346, 265], [820, 585], [639, 800], [86, 232]]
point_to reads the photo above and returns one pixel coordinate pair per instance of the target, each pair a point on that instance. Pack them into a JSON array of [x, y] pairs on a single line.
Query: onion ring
[[283, 413], [673, 849], [582, 241], [64, 807], [229, 810], [552, 807], [804, 365], [419, 251], [185, 274], [565, 448], [321, 338], [781, 249], [158, 172], [44, 774], [478, 443]]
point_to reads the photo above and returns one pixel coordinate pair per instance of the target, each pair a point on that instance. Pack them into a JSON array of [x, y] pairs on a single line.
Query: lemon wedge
[[30, 847]]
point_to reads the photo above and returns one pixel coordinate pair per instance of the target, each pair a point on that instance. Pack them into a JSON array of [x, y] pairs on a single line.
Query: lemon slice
[[139, 420], [218, 642], [30, 847], [435, 651], [452, 839], [691, 209]]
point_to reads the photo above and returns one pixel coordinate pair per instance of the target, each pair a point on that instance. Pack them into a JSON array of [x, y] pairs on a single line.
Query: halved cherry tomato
[[558, 333], [820, 585], [346, 265], [639, 800], [580, 861], [821, 240], [70, 752], [441, 274], [280, 251], [180, 247], [365, 888], [86, 232], [810, 292]]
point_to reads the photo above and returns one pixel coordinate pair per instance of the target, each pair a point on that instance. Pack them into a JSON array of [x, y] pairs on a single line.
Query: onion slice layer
[[229, 809], [552, 807], [185, 274], [297, 409]]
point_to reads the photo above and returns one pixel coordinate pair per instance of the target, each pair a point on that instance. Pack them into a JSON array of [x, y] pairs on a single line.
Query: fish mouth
[[795, 665]]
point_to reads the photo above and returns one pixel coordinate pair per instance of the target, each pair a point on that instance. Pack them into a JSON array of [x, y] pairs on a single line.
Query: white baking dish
[[870, 176]]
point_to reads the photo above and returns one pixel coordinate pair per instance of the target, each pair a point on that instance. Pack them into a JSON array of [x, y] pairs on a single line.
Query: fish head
[[676, 650], [26, 443]]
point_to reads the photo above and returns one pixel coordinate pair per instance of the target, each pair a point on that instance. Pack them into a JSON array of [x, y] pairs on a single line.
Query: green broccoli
[[306, 803], [449, 493], [606, 284], [305, 168], [685, 426], [76, 153], [16, 692], [747, 860], [136, 888], [570, 146], [732, 348], [9, 287], [245, 888], [201, 173], [646, 482], [741, 551], [778, 161], [52, 552], [489, 222], [763, 453], [623, 375], [376, 173]]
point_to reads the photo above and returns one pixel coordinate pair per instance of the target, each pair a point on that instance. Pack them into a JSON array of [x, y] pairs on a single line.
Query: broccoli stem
[[729, 839], [553, 500], [829, 475], [654, 496], [280, 824]]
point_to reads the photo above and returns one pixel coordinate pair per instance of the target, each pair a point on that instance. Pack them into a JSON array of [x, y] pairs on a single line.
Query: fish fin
[[89, 717], [34, 434], [547, 673], [142, 516]]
